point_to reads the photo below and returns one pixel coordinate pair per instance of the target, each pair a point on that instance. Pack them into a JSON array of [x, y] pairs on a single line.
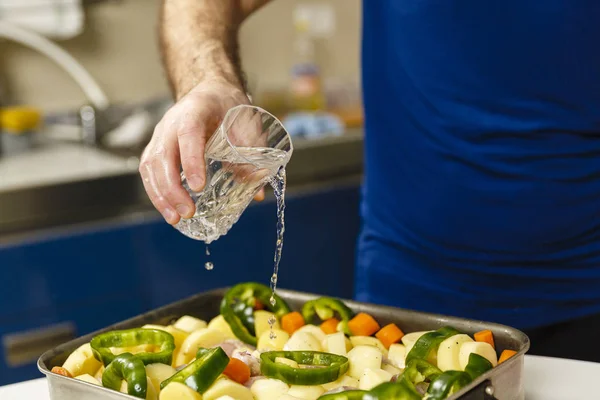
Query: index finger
[[192, 135]]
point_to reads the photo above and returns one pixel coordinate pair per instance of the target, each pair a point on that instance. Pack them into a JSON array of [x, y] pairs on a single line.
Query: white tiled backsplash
[[119, 49]]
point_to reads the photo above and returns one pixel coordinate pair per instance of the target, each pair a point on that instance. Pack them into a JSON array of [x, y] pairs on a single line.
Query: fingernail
[[195, 182], [171, 216], [183, 210]]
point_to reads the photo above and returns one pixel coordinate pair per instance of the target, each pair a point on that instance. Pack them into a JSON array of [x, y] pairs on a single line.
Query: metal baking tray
[[505, 382]]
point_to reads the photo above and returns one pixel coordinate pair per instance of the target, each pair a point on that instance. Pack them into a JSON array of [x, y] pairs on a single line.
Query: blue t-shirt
[[482, 179]]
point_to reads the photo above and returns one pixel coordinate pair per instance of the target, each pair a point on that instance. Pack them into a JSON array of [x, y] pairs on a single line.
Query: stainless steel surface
[[319, 162], [506, 379]]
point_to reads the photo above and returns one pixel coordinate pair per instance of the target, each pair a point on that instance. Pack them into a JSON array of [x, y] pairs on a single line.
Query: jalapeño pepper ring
[[237, 306], [102, 343], [202, 372], [325, 308], [331, 367], [129, 367]]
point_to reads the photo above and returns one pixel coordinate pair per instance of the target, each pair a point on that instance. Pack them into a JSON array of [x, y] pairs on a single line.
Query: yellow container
[[18, 120]]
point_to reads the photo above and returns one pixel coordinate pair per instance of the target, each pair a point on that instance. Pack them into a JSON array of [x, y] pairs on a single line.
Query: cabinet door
[[24, 339]]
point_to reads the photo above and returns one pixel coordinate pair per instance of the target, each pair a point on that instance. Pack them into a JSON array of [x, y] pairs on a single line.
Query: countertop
[[60, 183], [545, 379], [60, 163]]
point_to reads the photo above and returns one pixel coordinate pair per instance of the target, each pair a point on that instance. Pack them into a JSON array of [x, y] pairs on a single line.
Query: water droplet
[[272, 335], [209, 266], [207, 251], [272, 300]]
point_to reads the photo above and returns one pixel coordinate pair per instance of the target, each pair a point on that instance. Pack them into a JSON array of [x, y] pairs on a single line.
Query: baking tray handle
[[483, 391]]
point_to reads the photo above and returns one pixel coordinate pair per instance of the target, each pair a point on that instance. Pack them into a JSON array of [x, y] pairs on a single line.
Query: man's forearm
[[199, 41]]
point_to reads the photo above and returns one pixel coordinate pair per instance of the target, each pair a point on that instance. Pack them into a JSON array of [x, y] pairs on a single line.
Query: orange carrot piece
[[330, 326], [506, 354], [61, 371], [258, 305], [363, 325], [237, 370], [389, 334], [291, 322], [485, 336]]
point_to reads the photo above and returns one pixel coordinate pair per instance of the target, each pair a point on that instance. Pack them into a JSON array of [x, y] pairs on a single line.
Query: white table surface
[[545, 379]]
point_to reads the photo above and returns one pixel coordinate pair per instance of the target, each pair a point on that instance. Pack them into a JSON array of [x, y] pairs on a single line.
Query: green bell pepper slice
[[325, 308], [426, 346], [345, 395], [332, 367], [447, 383], [201, 373], [401, 390], [452, 381], [237, 307], [102, 343], [418, 371], [477, 366], [129, 367]]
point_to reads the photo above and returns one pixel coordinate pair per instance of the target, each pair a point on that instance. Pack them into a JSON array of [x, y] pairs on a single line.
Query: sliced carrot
[[363, 325], [61, 371], [506, 354], [258, 305], [485, 336], [389, 334], [291, 322], [330, 326], [237, 370]]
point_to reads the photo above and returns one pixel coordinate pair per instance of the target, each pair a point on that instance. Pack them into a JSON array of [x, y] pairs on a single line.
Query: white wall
[[119, 49]]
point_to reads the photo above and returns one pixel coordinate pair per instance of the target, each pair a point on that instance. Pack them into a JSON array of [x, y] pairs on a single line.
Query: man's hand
[[180, 139], [199, 46]]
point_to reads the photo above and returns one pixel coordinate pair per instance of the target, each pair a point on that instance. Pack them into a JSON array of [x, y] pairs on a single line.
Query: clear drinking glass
[[247, 150]]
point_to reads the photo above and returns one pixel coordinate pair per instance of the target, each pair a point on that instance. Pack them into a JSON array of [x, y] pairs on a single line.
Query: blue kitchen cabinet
[[101, 275]]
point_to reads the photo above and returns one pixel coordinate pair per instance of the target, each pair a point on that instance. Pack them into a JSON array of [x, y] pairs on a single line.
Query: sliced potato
[[482, 348], [391, 369], [226, 387], [363, 357], [306, 392], [189, 324], [397, 355], [303, 341], [159, 372], [152, 390], [286, 361], [89, 379], [345, 380], [261, 322], [206, 338], [178, 335], [99, 373], [275, 344], [123, 388], [373, 377], [313, 330], [368, 341], [410, 339], [448, 352], [287, 397], [218, 323], [82, 361], [335, 343], [179, 391], [268, 389]]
